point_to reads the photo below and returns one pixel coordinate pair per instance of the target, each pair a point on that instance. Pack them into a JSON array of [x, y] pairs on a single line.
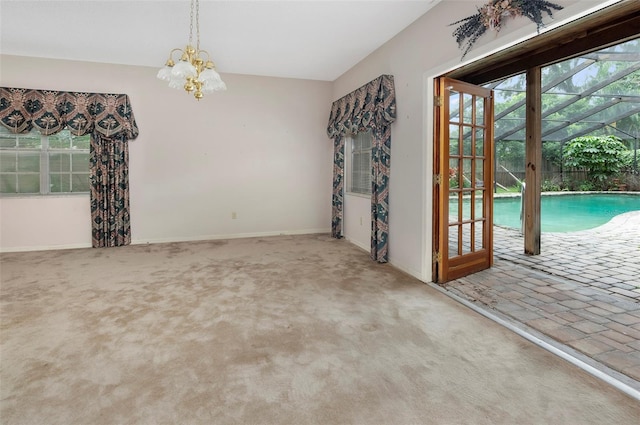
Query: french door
[[463, 180]]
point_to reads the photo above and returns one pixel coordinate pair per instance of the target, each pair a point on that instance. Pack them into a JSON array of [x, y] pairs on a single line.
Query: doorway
[[456, 246]]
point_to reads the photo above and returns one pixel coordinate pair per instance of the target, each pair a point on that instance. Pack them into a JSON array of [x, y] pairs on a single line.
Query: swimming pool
[[567, 212]]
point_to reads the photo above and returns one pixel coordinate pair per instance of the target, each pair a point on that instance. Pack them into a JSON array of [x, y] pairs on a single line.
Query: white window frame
[[45, 170], [354, 173]]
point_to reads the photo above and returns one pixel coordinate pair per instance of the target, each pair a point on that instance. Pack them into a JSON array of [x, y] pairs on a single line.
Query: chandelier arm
[[208, 63], [171, 55]]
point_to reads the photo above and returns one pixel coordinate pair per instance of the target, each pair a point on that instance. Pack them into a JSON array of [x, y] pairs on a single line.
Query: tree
[[600, 156], [552, 152]]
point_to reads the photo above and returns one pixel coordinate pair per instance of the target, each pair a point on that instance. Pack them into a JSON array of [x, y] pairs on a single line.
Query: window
[[360, 164], [33, 164]]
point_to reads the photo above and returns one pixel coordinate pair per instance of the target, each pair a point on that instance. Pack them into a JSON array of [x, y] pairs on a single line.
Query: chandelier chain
[[198, 25], [191, 25]]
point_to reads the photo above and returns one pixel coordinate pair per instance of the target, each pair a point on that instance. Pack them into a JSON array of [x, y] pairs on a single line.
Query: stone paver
[[605, 257], [578, 291]]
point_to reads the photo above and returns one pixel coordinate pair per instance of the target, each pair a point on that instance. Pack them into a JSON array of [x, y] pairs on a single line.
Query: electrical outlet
[[360, 221], [234, 215]]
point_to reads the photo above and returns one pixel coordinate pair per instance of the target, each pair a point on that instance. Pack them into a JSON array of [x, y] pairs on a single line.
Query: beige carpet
[[282, 330]]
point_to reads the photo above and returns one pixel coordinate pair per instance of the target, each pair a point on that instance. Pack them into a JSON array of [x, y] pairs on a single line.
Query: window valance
[[372, 106], [110, 115]]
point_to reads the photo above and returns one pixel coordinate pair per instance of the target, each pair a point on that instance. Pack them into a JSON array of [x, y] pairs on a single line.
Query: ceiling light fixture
[[192, 72]]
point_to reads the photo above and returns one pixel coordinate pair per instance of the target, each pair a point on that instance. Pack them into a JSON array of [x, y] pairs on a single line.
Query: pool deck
[[581, 294], [607, 257]]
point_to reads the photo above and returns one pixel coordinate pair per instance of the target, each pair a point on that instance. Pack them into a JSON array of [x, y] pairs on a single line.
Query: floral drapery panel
[[371, 107], [110, 121]]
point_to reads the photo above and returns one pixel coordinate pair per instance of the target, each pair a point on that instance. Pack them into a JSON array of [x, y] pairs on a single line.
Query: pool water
[[567, 213]]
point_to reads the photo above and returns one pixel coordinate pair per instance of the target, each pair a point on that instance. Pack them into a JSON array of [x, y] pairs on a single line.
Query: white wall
[[357, 220], [259, 149], [422, 51]]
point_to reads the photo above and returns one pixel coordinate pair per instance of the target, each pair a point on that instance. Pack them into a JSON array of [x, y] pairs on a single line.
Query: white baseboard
[[229, 236], [358, 244], [172, 239], [399, 266], [45, 247], [407, 270]]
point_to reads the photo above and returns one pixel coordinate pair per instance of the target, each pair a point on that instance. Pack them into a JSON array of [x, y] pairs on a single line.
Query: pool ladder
[[522, 192]]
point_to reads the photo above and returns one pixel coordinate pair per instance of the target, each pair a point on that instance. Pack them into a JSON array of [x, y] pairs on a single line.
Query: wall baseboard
[[407, 270], [230, 236], [173, 239], [45, 248], [401, 267], [358, 244]]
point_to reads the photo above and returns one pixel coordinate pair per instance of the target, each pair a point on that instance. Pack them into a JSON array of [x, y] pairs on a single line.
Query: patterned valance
[[47, 111], [371, 107]]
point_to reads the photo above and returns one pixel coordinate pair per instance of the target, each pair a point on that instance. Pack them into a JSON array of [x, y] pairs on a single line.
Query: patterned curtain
[[338, 183], [109, 181], [371, 107], [110, 121]]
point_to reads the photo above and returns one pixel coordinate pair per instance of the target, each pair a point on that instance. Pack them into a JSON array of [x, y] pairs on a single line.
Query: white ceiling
[[306, 39]]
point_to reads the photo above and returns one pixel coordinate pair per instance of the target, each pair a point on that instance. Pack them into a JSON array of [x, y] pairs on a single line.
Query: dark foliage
[[533, 9], [491, 15], [470, 30]]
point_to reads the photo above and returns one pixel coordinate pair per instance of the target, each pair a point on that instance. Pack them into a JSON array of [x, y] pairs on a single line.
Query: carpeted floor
[[281, 330]]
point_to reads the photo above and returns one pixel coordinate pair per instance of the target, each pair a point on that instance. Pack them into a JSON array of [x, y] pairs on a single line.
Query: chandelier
[[194, 72]]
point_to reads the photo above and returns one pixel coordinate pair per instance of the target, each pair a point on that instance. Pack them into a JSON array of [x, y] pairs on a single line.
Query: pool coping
[[566, 192]]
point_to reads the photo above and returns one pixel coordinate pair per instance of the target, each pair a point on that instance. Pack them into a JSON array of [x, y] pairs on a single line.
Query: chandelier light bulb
[[176, 83], [184, 70], [165, 73], [211, 81]]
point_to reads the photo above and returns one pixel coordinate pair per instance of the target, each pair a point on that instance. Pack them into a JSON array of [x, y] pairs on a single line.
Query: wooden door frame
[[611, 25]]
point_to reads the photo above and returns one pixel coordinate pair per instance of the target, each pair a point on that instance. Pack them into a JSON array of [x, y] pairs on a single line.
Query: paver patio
[[582, 291]]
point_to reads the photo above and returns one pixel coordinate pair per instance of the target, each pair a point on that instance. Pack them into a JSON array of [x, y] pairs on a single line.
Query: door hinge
[[437, 257], [438, 100], [437, 179]]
